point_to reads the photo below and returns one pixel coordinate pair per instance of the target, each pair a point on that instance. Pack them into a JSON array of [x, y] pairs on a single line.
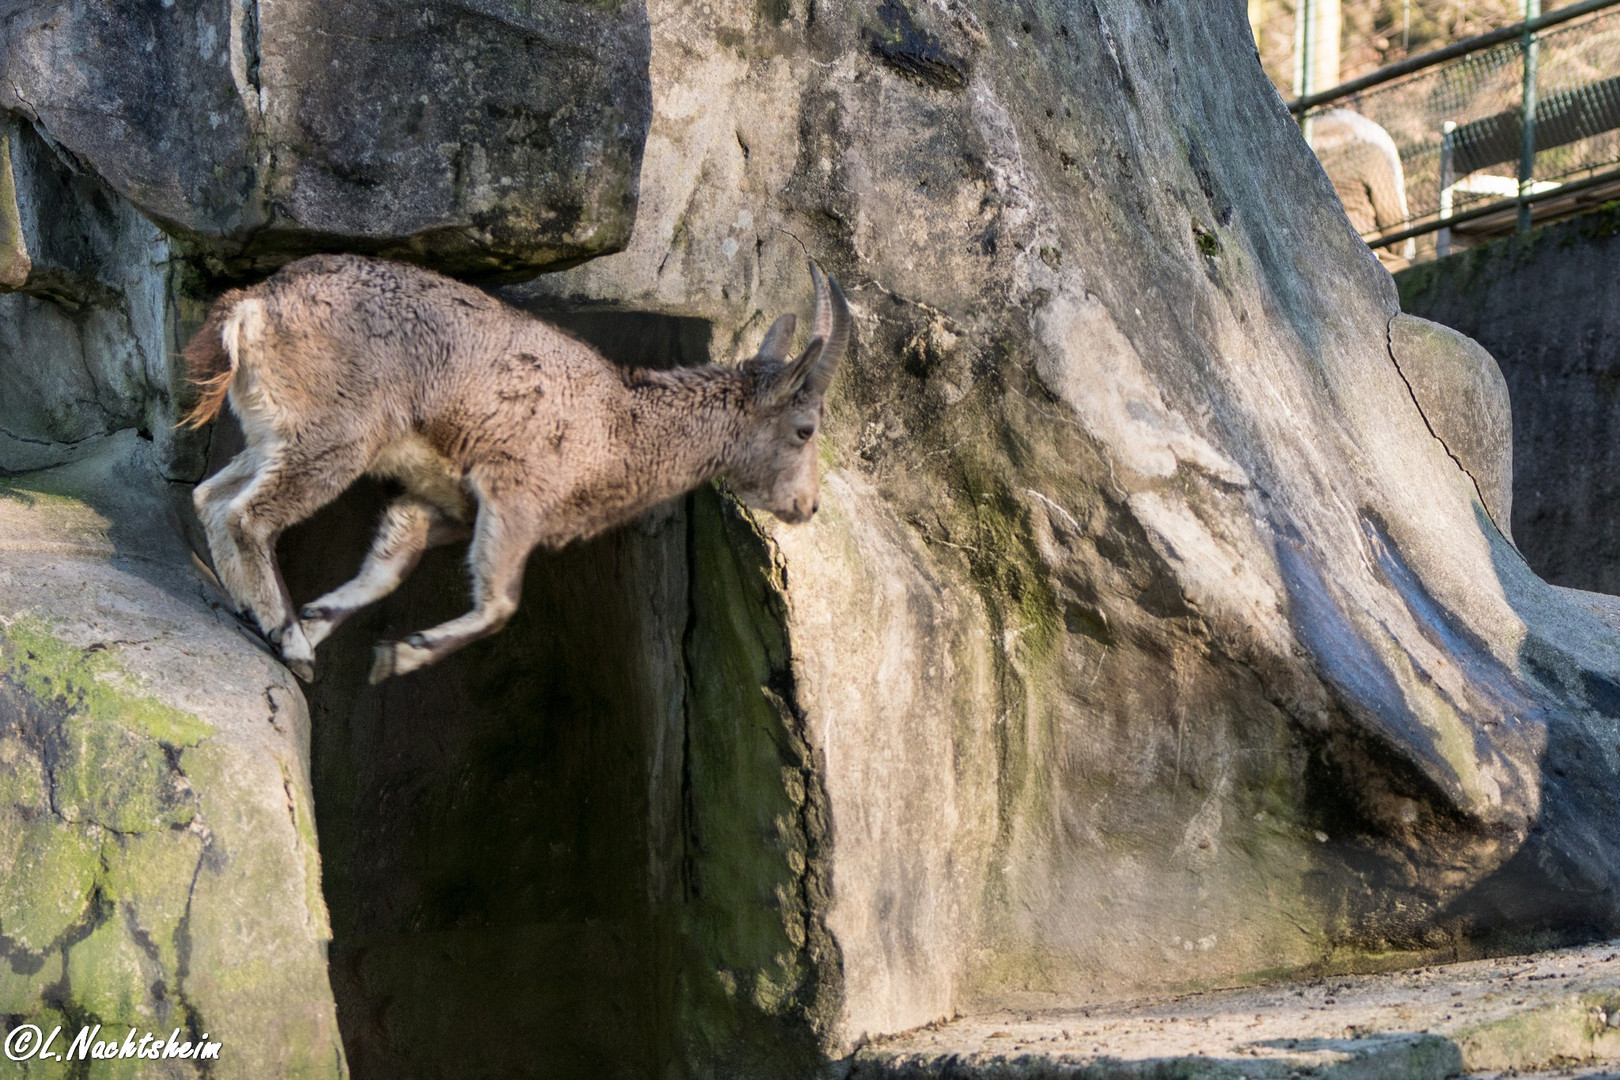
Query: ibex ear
[[778, 339], [793, 378]]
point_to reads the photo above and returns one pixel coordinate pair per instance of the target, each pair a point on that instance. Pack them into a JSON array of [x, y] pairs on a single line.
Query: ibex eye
[[805, 433]]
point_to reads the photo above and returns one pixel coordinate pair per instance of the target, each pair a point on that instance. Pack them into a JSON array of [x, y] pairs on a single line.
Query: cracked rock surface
[[156, 826]]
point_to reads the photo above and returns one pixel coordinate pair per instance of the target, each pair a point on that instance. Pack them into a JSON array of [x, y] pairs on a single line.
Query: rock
[[1155, 632], [1534, 302], [88, 332], [1464, 399], [1509, 1016], [14, 261], [483, 137], [1152, 634], [161, 867]]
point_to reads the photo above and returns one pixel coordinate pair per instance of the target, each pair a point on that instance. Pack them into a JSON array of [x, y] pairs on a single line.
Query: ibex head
[[776, 469]]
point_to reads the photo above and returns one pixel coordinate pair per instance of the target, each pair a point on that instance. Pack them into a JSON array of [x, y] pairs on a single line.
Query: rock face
[[1156, 631], [156, 829], [482, 136], [1535, 304]]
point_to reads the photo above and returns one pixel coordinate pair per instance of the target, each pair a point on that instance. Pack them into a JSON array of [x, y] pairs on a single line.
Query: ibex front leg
[[502, 540], [409, 527]]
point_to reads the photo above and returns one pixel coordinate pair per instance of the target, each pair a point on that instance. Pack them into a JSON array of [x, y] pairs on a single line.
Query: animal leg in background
[[502, 539], [410, 526], [288, 487]]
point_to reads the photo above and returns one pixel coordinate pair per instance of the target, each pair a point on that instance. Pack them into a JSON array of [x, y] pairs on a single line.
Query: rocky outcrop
[[483, 137], [161, 870], [1157, 629]]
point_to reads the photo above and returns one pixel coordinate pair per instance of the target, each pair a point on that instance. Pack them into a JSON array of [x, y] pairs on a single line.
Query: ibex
[[497, 426]]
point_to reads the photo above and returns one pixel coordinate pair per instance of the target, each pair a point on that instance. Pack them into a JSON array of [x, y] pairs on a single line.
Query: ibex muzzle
[[497, 426]]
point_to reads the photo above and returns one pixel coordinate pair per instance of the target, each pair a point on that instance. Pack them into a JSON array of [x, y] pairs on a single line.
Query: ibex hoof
[[399, 657], [296, 651], [317, 623], [382, 662]]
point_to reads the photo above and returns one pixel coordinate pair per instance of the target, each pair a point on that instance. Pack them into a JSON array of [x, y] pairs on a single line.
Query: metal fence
[[1491, 133]]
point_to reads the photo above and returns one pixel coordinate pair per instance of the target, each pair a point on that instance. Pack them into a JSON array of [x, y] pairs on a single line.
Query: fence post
[[1527, 143], [1448, 180]]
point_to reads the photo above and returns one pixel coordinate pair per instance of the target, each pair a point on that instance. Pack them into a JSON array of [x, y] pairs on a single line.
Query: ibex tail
[[211, 359]]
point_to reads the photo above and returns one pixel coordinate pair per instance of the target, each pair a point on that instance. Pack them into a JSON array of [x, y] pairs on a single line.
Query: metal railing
[[1492, 130]]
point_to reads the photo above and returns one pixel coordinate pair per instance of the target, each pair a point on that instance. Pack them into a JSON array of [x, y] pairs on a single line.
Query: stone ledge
[[1557, 1010]]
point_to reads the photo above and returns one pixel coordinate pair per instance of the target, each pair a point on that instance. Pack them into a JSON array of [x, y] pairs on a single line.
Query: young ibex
[[338, 366]]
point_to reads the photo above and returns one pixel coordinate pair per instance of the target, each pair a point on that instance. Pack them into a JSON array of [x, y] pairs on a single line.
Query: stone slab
[[1556, 1010], [480, 136]]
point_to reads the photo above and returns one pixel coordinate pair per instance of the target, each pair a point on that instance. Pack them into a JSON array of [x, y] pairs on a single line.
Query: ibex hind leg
[[287, 488], [212, 499], [409, 527], [502, 540]]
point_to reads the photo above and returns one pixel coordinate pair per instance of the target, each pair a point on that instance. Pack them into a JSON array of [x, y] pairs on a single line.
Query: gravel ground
[[1556, 1012]]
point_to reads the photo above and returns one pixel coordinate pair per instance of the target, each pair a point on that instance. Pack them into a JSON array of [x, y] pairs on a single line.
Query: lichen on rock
[[140, 802]]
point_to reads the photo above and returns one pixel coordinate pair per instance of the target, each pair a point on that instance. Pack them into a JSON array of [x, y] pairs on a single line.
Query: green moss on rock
[[150, 877], [109, 975], [106, 743], [93, 682], [22, 984], [51, 869], [755, 985]]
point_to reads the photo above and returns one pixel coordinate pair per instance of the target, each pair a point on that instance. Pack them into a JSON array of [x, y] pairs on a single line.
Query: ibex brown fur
[[496, 425]]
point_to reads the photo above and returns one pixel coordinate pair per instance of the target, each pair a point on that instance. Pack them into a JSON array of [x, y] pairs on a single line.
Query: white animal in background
[[1364, 164]]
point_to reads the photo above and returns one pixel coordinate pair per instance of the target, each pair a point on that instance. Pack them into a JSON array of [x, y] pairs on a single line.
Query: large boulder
[[1541, 304], [483, 137], [1157, 630], [156, 823]]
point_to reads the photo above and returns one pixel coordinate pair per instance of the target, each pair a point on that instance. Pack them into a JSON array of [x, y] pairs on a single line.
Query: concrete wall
[[1545, 307]]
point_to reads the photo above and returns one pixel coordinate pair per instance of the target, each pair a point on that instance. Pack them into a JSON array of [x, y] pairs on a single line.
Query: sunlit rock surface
[[1156, 631]]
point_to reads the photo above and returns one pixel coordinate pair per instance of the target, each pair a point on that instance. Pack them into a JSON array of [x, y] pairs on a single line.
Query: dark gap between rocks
[[496, 831]]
